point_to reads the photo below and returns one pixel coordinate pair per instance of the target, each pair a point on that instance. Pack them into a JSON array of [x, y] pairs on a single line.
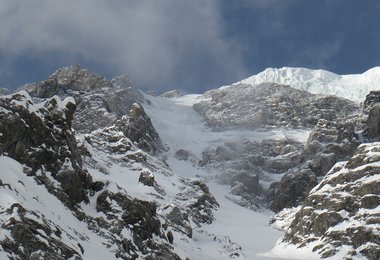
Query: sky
[[191, 45]]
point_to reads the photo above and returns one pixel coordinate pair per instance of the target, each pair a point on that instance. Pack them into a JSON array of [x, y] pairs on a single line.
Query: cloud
[[152, 41]]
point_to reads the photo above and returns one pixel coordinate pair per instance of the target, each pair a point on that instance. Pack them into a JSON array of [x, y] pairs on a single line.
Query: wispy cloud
[[152, 41]]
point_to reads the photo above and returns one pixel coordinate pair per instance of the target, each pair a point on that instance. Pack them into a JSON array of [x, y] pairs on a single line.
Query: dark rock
[[373, 123], [139, 129], [278, 165], [202, 209], [370, 201], [141, 215], [249, 181], [25, 237], [182, 155], [147, 178], [372, 99], [179, 220], [322, 163], [170, 237], [292, 189], [324, 221], [43, 141]]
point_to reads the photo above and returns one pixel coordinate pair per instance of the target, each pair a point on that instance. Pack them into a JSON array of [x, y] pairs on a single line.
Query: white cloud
[[149, 40]]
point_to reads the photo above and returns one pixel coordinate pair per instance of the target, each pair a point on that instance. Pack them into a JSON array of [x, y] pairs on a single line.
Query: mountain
[[354, 87], [92, 168]]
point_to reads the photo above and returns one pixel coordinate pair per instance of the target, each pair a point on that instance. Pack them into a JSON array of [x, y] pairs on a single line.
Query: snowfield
[[354, 87]]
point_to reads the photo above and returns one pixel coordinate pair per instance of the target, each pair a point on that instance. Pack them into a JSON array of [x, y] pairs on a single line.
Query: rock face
[[373, 122], [372, 99], [40, 136], [269, 105], [249, 167], [100, 102], [341, 214], [292, 189]]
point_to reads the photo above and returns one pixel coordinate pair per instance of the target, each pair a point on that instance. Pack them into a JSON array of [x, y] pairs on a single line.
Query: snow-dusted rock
[[39, 135], [100, 102], [172, 93], [269, 105], [341, 214]]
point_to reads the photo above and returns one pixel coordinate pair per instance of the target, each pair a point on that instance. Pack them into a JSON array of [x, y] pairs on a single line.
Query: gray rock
[[322, 163], [172, 93], [269, 105], [371, 99], [147, 178], [373, 123], [182, 155], [43, 141], [179, 220], [347, 191], [292, 189]]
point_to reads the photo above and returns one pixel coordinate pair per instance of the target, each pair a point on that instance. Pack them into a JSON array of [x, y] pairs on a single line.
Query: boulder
[[147, 178]]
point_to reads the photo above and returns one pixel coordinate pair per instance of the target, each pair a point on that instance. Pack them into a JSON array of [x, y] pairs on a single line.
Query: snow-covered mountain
[[354, 87], [91, 168]]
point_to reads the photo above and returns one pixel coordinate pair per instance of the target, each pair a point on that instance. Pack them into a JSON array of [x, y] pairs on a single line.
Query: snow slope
[[17, 187], [354, 87], [180, 127]]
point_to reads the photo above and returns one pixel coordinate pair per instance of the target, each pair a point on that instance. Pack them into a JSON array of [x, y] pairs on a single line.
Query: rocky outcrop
[[30, 239], [269, 105], [292, 189], [139, 216], [172, 93], [373, 123], [341, 214], [371, 99], [249, 167], [139, 128], [40, 136], [101, 103]]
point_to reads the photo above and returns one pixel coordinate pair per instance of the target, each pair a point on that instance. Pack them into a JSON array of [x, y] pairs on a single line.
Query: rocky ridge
[[75, 167]]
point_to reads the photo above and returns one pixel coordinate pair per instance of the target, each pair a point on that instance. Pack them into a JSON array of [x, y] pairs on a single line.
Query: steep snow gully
[[180, 127]]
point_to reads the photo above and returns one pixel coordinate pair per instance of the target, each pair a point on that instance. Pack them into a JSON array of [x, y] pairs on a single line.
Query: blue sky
[[191, 45]]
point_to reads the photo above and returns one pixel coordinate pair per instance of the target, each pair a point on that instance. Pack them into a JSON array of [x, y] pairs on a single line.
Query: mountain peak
[[353, 86]]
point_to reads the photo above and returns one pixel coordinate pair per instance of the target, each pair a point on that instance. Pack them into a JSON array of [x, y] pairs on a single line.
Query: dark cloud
[[152, 41], [191, 45]]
